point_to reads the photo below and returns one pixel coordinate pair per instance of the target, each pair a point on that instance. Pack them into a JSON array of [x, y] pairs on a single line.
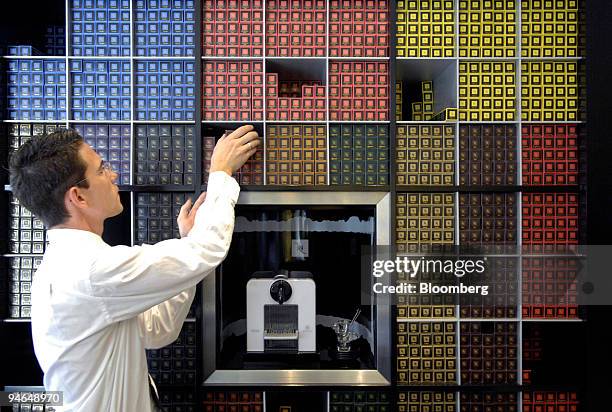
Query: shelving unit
[[443, 70]]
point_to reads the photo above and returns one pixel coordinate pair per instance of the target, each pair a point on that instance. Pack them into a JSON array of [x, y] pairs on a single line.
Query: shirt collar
[[72, 235]]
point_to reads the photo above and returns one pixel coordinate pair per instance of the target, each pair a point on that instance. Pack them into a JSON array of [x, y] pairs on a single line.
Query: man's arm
[[131, 280], [161, 325]]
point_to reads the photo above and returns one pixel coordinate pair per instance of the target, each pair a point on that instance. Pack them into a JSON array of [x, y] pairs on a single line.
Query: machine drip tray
[[282, 361]]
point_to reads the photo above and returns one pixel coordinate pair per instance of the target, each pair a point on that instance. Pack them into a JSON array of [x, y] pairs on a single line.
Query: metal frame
[[323, 377]]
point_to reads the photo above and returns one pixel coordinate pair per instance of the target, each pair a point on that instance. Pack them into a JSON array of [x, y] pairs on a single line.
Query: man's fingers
[[242, 130], [250, 146], [250, 136], [185, 208]]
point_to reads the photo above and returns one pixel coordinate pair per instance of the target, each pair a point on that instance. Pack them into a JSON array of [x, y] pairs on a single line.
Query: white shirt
[[95, 308]]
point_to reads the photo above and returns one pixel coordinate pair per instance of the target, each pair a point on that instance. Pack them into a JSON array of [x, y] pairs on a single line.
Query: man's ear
[[74, 199]]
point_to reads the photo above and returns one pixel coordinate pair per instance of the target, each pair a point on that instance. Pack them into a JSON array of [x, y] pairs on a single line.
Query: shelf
[[35, 57], [425, 58], [9, 255], [553, 58], [296, 121], [553, 320], [406, 320], [157, 188], [493, 188], [37, 121], [297, 58], [163, 121], [552, 122], [359, 121], [101, 121], [17, 320], [440, 122], [321, 188], [99, 57], [488, 122], [361, 58], [163, 58], [231, 58]]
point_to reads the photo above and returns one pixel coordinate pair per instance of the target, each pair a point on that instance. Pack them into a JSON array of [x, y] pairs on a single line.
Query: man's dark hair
[[43, 169]]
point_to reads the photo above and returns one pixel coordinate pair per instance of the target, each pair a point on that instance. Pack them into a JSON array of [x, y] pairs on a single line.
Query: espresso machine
[[281, 312]]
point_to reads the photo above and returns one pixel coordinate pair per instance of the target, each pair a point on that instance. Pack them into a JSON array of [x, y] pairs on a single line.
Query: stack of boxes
[[19, 133], [424, 219], [487, 91], [21, 271], [489, 353], [164, 28], [550, 219], [233, 90], [358, 91], [112, 143], [424, 110], [156, 215], [549, 91], [425, 155], [497, 401], [501, 275], [27, 234], [164, 90], [175, 399], [550, 287], [426, 353], [22, 51], [550, 401], [549, 154], [427, 401], [424, 305], [100, 28], [551, 29], [175, 364], [233, 401], [487, 219], [295, 101], [359, 28], [532, 349], [410, 306], [251, 173], [55, 41], [36, 89], [487, 28], [425, 28], [487, 155], [399, 100], [232, 28], [296, 28], [296, 155], [100, 89], [359, 155], [359, 401], [165, 155]]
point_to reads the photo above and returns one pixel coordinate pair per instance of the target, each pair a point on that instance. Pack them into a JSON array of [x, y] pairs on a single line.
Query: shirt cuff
[[220, 183]]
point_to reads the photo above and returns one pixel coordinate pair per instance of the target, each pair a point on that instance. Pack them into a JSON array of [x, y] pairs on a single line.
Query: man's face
[[103, 194]]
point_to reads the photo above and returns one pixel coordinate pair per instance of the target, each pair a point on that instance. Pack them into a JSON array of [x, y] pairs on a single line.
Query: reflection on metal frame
[[381, 376]]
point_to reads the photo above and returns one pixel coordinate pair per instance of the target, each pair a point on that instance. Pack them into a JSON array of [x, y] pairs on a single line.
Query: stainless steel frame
[[382, 322]]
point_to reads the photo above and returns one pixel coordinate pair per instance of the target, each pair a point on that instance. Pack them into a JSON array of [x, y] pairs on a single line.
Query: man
[[95, 308]]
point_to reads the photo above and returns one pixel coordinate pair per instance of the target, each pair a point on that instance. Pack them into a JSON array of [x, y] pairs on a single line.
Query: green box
[[334, 166], [347, 166], [359, 154], [335, 154]]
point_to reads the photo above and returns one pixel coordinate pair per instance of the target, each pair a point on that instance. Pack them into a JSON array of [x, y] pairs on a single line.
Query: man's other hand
[[186, 216]]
